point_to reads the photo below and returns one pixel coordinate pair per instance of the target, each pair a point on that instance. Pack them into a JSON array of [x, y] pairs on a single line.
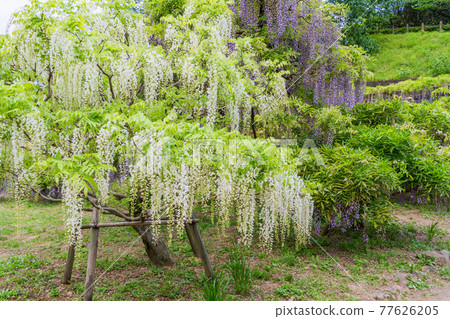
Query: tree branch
[[111, 89], [118, 195], [46, 197], [50, 76], [94, 202]]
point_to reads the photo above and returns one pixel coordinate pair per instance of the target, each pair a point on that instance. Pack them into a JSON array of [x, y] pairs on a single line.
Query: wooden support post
[[407, 28], [423, 27], [393, 29], [378, 28], [69, 264], [92, 257], [440, 26], [198, 248], [191, 237]]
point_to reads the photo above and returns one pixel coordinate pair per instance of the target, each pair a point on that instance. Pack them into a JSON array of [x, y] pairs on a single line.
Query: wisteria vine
[[305, 28]]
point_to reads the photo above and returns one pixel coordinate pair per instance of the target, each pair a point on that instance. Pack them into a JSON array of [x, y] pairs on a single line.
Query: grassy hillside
[[411, 55]]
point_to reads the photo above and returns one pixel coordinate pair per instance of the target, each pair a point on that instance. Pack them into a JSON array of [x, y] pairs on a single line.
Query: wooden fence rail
[[408, 28]]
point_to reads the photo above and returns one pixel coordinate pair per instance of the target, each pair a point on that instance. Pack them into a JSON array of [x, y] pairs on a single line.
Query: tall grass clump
[[239, 270], [214, 289]]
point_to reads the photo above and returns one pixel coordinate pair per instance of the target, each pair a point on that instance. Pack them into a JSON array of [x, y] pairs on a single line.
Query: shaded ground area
[[393, 266]]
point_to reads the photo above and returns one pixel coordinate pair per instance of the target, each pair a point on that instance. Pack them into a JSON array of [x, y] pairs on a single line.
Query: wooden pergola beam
[[137, 223]]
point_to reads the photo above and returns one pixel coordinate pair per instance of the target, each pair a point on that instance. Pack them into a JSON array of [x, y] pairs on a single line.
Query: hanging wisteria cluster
[[284, 200], [347, 217], [106, 148], [166, 176], [417, 197], [114, 58], [248, 12], [73, 207], [104, 76], [277, 202], [308, 31], [28, 135], [318, 45]]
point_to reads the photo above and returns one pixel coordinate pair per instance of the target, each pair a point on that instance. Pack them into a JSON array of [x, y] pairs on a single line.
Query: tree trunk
[[252, 121], [359, 225], [156, 249], [326, 229]]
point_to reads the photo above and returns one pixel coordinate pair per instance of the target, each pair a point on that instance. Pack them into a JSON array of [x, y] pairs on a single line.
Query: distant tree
[[363, 15], [429, 12]]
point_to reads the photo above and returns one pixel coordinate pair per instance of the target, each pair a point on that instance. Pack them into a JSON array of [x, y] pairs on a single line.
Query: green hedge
[[416, 157], [426, 83]]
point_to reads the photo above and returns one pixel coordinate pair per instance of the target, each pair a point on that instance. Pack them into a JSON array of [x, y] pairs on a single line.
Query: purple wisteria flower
[[303, 27]]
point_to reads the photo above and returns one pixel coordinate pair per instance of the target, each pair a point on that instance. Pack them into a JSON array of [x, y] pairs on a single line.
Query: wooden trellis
[[190, 226]]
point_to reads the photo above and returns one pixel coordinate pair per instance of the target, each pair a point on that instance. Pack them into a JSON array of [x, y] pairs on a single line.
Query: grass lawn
[[33, 249], [410, 55]]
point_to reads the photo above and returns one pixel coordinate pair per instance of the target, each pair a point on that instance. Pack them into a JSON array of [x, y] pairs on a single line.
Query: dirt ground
[[393, 266], [416, 217]]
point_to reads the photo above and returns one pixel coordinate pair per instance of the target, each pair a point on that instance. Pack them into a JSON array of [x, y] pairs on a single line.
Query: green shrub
[[348, 183], [395, 144], [433, 118], [379, 212], [424, 170], [333, 118], [162, 8], [443, 102], [426, 83], [328, 121], [380, 112], [430, 178]]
